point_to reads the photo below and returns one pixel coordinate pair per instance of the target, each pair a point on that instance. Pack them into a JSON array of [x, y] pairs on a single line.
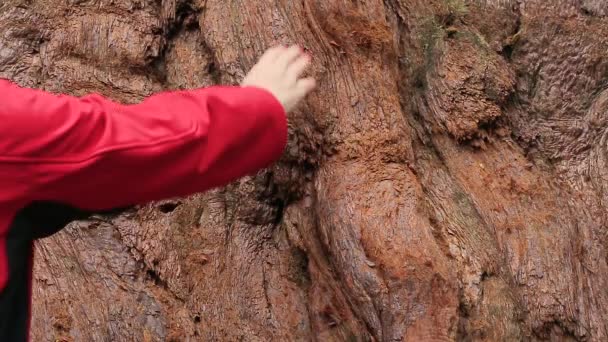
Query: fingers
[[306, 85], [289, 55], [273, 53], [297, 68], [281, 70]]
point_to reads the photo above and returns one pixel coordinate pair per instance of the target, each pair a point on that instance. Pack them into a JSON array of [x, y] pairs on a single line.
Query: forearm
[[93, 153]]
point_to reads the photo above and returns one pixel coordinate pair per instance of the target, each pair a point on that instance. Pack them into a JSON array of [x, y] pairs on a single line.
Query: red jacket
[[91, 154]]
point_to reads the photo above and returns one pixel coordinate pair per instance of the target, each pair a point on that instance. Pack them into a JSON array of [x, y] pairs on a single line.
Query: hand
[[280, 71]]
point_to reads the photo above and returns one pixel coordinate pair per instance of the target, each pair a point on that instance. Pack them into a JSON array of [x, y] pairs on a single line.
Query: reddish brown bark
[[447, 181]]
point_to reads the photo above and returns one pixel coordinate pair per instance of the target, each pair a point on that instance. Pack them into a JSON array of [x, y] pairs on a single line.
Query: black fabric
[[14, 299], [37, 220], [47, 218]]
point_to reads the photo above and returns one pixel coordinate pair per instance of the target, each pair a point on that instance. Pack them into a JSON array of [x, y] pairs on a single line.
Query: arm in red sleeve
[[96, 154]]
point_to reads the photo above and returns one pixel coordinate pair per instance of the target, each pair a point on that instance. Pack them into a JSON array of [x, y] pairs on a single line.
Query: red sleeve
[[96, 154]]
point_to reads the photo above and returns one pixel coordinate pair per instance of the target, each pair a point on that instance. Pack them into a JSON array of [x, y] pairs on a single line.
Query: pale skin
[[280, 71]]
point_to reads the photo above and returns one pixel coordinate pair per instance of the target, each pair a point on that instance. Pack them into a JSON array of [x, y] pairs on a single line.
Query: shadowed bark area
[[446, 182]]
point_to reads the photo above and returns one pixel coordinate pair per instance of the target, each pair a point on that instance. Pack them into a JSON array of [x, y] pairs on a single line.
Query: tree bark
[[447, 180]]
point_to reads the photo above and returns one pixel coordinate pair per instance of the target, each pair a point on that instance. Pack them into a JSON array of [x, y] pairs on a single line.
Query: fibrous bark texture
[[447, 181]]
